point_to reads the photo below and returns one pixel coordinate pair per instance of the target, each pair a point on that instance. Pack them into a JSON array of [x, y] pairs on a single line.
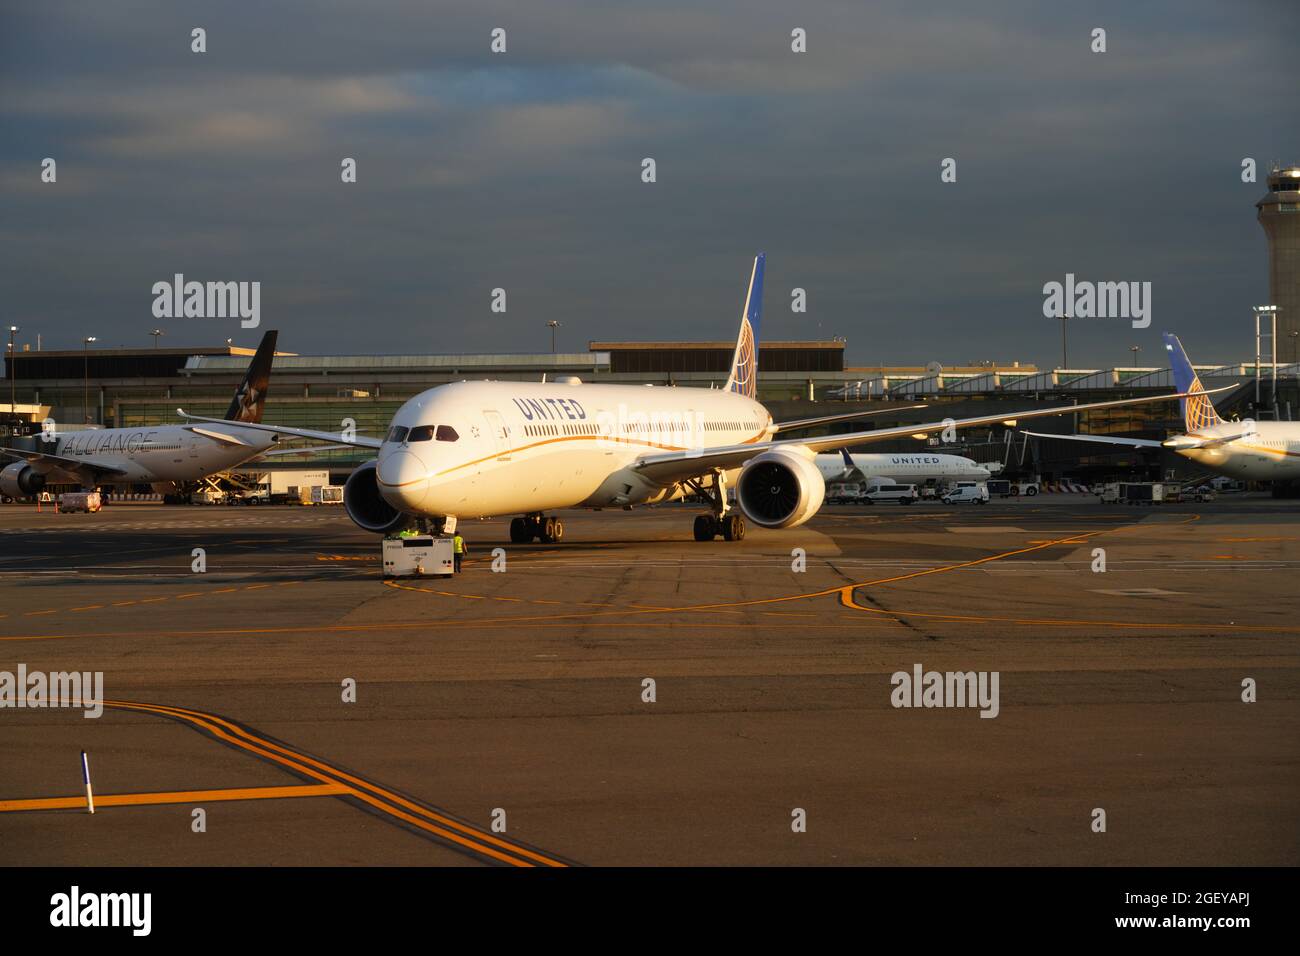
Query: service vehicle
[[325, 495], [418, 555], [87, 501], [967, 492], [879, 493]]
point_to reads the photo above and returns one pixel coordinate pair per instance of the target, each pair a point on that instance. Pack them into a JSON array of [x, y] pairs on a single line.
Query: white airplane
[[905, 468], [479, 449], [163, 455], [1257, 451]]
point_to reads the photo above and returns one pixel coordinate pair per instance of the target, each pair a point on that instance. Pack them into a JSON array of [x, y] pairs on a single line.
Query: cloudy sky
[[523, 170]]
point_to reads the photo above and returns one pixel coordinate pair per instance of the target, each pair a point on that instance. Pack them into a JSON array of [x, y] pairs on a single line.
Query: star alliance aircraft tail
[[250, 397]]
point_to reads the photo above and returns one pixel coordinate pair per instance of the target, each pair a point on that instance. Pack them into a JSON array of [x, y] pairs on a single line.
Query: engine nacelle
[[20, 480], [367, 507], [780, 488]]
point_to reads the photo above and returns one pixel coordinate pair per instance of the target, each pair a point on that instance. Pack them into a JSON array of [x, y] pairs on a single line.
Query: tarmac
[[632, 697]]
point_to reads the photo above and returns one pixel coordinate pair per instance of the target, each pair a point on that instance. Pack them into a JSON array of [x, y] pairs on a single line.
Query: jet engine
[[20, 480], [780, 488], [367, 507]]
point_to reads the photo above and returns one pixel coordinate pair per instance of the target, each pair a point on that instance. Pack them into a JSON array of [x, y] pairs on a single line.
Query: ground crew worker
[[458, 549]]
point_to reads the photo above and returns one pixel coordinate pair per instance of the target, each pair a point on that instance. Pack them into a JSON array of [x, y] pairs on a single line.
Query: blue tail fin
[[744, 364], [1198, 411]]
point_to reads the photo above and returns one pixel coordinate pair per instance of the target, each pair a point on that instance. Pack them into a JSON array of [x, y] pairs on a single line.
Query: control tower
[[1279, 214]]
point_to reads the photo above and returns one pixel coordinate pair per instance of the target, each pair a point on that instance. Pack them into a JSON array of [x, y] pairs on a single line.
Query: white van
[[967, 492], [903, 494]]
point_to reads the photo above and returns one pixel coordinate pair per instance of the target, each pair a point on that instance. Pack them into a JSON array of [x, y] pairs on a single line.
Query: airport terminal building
[[124, 387]]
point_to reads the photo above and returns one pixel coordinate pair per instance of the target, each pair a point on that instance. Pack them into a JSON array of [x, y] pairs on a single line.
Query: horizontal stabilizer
[[217, 436]]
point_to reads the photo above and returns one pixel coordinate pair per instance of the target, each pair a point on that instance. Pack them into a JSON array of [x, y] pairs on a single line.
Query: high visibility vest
[[458, 543]]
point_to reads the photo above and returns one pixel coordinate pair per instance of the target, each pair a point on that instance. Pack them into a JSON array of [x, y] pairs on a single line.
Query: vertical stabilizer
[[250, 397], [744, 364], [1198, 410]]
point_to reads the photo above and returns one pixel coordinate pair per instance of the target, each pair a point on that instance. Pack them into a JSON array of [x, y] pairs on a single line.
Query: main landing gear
[[709, 526], [548, 530]]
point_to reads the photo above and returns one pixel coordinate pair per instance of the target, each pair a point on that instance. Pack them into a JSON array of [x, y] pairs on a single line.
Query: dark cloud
[[522, 171]]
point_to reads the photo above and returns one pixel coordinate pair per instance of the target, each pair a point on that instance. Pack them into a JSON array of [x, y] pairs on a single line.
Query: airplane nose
[[403, 480]]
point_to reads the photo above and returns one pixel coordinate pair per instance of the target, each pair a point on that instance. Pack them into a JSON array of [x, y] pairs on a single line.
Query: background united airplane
[[1256, 451]]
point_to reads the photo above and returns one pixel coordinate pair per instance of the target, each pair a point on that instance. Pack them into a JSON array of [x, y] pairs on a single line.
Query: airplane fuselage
[[493, 448], [157, 454], [904, 467], [1270, 453]]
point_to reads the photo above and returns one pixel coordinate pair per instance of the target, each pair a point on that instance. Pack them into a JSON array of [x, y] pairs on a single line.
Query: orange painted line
[[190, 595], [34, 613], [175, 796], [88, 607], [469, 837]]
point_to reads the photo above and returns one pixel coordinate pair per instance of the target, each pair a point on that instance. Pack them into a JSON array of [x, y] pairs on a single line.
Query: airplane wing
[[846, 417], [305, 452], [691, 463], [85, 471], [359, 441], [1177, 443], [1103, 439]]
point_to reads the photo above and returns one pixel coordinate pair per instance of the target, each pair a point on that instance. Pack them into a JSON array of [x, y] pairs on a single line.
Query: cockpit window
[[421, 433], [447, 433], [396, 434]]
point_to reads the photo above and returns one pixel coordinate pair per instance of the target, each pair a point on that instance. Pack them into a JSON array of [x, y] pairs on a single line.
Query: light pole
[[1270, 311], [85, 383], [1065, 360], [552, 325], [1293, 334], [13, 362], [156, 333], [1135, 349]]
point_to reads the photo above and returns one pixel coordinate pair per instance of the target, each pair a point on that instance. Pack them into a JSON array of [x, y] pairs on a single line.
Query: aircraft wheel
[[733, 528], [557, 531], [519, 531], [547, 531], [705, 527]]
